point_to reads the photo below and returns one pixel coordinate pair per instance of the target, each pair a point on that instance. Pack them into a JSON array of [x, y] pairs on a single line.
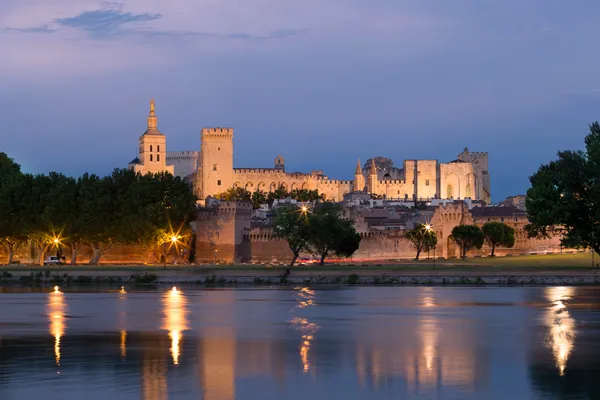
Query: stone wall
[[118, 254]]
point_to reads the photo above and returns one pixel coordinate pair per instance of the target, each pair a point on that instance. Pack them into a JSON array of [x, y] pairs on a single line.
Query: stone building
[[152, 154], [210, 171], [465, 177]]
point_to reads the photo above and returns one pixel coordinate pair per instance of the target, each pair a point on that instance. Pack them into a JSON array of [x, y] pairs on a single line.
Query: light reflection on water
[[371, 343], [56, 316], [560, 324], [175, 320]]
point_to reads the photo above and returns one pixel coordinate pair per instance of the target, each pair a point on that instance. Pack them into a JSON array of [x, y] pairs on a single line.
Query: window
[[150, 157], [502, 219], [150, 149], [215, 167], [158, 148], [218, 149], [158, 157], [219, 182], [426, 182]]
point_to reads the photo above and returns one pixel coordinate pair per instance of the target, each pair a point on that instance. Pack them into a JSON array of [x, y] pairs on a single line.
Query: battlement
[[393, 182], [326, 181], [217, 133], [226, 208]]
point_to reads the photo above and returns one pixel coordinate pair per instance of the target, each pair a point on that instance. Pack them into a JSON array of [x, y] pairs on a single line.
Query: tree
[[498, 234], [329, 232], [564, 196], [421, 238], [12, 234], [292, 225], [235, 194], [467, 237]]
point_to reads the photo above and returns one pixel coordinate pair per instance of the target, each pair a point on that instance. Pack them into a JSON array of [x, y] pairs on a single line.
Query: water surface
[[318, 343]]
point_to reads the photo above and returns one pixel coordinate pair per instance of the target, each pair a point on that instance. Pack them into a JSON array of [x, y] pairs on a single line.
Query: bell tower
[[373, 177], [216, 161]]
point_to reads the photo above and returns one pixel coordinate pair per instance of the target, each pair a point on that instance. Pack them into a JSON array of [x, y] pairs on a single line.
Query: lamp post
[[216, 251], [429, 230]]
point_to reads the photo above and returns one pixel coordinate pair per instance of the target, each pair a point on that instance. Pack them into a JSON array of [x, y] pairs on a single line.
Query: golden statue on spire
[[152, 120]]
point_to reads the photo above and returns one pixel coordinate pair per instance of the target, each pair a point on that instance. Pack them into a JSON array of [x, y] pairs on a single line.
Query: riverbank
[[568, 269], [259, 279]]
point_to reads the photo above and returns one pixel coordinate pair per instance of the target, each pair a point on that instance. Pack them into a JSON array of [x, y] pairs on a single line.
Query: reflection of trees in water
[[571, 369]]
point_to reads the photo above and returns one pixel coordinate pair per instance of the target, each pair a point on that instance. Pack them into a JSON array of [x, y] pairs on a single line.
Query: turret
[[373, 177], [359, 179]]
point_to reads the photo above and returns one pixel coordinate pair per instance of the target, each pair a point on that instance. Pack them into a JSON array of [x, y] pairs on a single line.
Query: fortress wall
[[394, 189], [426, 178], [118, 254], [268, 180], [454, 179]]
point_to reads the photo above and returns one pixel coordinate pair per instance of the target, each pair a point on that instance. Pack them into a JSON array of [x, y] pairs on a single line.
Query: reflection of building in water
[[217, 349], [426, 357], [306, 298], [56, 316], [154, 370], [560, 324], [175, 320], [223, 357]]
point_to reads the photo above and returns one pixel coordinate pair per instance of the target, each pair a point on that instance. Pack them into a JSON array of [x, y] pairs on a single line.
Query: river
[[301, 343]]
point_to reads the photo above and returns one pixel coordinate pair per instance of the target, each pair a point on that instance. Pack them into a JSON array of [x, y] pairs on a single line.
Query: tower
[[359, 179], [216, 161], [153, 148], [373, 177]]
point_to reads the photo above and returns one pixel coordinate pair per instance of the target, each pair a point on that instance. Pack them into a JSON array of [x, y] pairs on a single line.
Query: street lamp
[[429, 230], [216, 251]]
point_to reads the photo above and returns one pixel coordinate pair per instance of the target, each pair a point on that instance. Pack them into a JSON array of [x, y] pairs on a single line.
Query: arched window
[[150, 157], [450, 193], [158, 157], [150, 149], [158, 148]]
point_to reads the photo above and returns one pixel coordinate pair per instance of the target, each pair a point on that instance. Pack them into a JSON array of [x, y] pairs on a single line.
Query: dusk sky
[[321, 82]]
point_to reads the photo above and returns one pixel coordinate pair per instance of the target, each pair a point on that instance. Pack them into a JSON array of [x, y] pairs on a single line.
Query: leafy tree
[[498, 234], [421, 239], [305, 195], [12, 234], [329, 232], [467, 237], [564, 196], [292, 225], [235, 194]]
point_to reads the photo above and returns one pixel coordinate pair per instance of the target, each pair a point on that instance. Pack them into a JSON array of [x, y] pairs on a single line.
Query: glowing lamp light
[[304, 209], [56, 289], [428, 227]]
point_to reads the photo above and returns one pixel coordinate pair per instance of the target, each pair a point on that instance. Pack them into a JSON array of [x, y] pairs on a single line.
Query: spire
[[358, 168], [152, 119], [373, 167]]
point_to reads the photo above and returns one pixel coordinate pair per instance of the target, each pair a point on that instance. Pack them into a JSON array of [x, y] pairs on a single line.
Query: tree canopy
[[258, 197], [498, 234], [330, 233], [564, 197], [291, 224], [467, 237], [321, 231], [421, 238], [124, 207]]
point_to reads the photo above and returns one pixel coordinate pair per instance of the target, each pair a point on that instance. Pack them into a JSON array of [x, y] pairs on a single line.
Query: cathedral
[[211, 171]]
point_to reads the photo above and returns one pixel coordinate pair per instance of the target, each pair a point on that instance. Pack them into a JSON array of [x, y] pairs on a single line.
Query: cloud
[[106, 21]]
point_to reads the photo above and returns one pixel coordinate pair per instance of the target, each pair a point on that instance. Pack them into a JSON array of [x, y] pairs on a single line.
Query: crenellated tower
[[216, 161]]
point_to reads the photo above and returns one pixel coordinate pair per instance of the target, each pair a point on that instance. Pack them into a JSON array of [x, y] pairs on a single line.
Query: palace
[[211, 171]]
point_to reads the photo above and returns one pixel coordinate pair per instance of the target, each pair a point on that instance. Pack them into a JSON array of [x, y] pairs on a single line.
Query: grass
[[551, 263]]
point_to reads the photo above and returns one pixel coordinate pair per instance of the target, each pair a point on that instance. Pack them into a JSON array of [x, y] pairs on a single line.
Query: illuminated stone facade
[[152, 156], [465, 177], [211, 171]]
